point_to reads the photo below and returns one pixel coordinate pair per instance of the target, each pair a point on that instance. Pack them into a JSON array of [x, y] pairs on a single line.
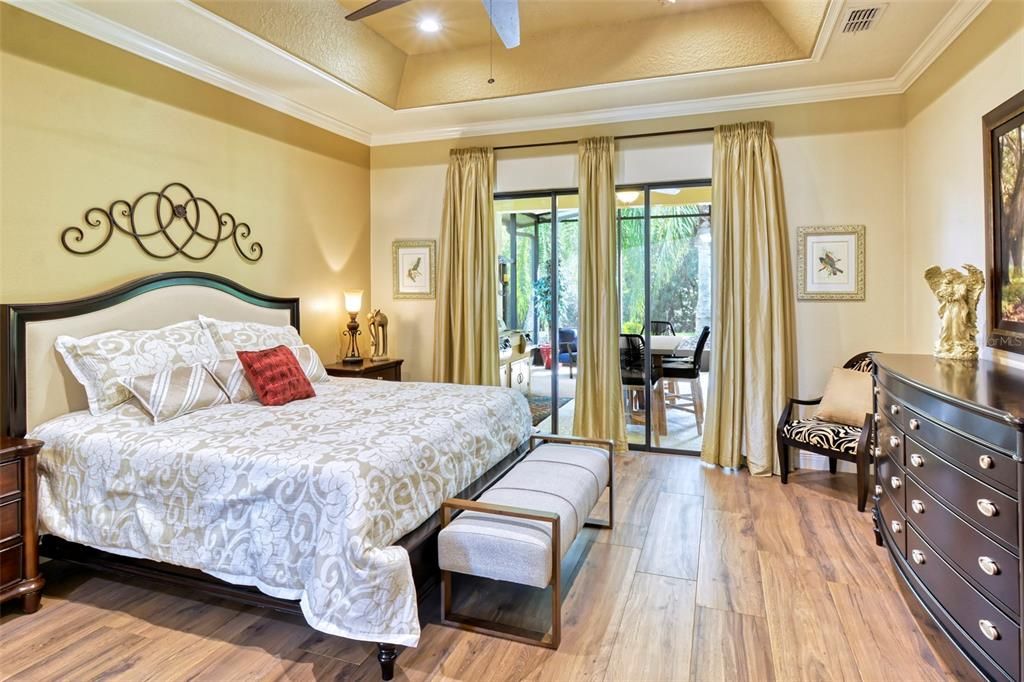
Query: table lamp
[[353, 304]]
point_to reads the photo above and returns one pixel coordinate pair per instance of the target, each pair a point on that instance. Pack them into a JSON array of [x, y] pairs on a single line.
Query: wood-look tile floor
[[708, 575]]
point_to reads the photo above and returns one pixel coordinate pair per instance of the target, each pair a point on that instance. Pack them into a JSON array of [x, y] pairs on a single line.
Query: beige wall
[[945, 210], [842, 163], [83, 124]]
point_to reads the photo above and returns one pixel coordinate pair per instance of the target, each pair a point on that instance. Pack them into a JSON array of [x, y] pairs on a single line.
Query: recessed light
[[429, 25]]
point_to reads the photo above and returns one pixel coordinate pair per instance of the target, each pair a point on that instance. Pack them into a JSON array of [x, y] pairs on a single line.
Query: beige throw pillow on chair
[[847, 397]]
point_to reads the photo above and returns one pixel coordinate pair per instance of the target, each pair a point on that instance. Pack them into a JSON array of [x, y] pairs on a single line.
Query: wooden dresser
[[19, 542], [950, 445]]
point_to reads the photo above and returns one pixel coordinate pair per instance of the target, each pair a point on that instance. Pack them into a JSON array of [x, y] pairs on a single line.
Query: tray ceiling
[[579, 62]]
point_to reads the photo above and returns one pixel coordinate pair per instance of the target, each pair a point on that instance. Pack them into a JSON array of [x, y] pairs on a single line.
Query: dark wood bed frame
[[421, 543]]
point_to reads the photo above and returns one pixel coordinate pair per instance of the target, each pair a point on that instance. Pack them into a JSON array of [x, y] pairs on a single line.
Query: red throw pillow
[[275, 375]]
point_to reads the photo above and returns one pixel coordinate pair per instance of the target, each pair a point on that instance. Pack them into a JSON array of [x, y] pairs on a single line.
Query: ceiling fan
[[504, 16]]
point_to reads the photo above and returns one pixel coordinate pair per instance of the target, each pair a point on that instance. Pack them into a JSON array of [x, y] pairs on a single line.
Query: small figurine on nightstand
[[19, 541], [378, 335]]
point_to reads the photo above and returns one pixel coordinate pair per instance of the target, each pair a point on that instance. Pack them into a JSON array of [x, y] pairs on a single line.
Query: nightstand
[[19, 541], [387, 370]]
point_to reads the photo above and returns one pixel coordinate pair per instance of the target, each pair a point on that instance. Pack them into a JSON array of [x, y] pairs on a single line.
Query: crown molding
[[365, 112], [645, 112], [944, 33], [80, 19]]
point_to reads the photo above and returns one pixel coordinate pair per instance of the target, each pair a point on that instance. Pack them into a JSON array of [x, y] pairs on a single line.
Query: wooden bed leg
[[386, 655]]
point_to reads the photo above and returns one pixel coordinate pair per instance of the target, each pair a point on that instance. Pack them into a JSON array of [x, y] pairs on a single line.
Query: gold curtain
[[466, 316], [752, 332], [599, 412]]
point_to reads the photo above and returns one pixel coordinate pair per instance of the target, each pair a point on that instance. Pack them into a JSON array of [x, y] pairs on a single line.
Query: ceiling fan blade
[[505, 19], [373, 8]]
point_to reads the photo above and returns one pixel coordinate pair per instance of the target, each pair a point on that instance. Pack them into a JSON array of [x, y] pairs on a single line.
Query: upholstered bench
[[521, 527]]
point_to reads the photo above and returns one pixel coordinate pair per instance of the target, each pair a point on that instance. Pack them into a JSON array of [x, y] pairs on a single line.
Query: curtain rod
[[617, 137]]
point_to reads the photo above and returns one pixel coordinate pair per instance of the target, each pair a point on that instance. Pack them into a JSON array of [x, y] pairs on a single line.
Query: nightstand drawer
[[10, 565], [10, 519], [386, 374], [10, 478]]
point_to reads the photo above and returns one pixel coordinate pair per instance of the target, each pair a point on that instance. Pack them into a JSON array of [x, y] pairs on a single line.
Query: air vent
[[860, 19]]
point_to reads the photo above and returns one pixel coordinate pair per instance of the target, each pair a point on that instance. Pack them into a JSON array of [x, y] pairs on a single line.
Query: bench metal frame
[[523, 635]]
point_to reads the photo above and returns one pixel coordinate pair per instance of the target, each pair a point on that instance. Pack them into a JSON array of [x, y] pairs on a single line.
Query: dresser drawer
[[988, 508], [894, 524], [10, 565], [10, 519], [975, 614], [892, 409], [892, 479], [10, 478], [994, 468], [890, 439], [989, 565]]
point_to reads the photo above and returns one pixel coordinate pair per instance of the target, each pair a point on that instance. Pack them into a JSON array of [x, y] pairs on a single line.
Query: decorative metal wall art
[[165, 223]]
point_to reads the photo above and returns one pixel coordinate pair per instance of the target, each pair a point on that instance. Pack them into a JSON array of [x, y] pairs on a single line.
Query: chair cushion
[[563, 479], [823, 434]]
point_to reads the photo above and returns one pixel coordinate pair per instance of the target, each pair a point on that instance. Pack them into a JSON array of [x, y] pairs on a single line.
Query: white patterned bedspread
[[303, 500]]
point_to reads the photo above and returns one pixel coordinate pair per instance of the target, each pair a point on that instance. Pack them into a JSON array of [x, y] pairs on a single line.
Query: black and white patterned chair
[[835, 441]]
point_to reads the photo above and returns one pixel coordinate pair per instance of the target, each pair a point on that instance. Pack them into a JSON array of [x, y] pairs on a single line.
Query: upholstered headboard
[[38, 386]]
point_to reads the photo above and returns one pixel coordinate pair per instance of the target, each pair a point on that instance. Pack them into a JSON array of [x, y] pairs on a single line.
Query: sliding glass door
[[665, 261], [539, 274], [664, 241]]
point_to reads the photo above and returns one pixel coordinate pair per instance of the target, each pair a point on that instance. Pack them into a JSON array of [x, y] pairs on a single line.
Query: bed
[[326, 506]]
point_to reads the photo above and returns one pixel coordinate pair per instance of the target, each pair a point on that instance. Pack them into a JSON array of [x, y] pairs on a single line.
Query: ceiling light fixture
[[627, 196], [429, 25]]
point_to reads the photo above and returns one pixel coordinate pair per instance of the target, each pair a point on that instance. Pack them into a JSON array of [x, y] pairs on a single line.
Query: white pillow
[[230, 337], [230, 374], [101, 361]]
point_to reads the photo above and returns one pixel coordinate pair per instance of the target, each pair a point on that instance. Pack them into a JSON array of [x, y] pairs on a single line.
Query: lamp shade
[[353, 301]]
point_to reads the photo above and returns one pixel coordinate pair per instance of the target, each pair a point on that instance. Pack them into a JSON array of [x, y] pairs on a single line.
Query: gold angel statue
[[958, 296]]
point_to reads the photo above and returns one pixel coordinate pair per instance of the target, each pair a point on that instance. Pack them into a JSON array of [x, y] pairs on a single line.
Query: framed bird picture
[[414, 270], [830, 263]]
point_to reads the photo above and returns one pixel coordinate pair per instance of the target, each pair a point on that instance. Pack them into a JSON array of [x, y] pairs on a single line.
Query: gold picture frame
[[411, 277], [830, 263]]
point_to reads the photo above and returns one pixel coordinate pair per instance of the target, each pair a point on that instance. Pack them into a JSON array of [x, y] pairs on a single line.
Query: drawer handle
[[894, 410], [988, 565], [875, 390], [916, 460], [986, 462], [988, 629], [917, 506], [876, 451], [918, 556], [878, 489], [878, 418], [988, 507], [896, 484], [914, 425], [894, 441], [896, 526]]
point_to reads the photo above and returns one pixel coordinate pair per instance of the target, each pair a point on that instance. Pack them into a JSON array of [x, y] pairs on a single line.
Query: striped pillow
[[231, 375], [175, 392], [310, 363]]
